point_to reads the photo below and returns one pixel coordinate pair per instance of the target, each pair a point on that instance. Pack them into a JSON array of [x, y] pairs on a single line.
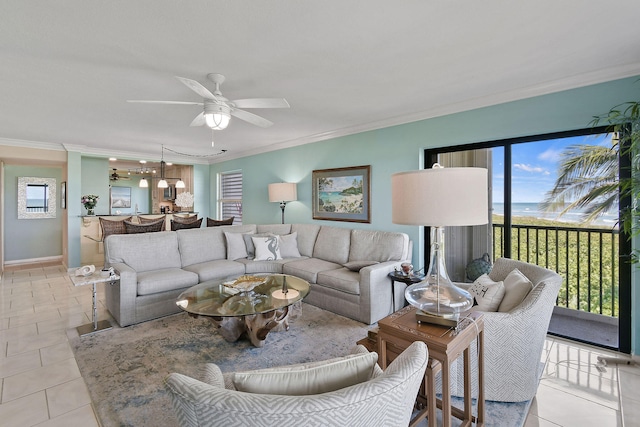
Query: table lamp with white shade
[[439, 197], [283, 192]]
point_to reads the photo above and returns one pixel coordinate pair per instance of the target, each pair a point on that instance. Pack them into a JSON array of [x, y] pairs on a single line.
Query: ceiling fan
[[217, 110], [115, 176]]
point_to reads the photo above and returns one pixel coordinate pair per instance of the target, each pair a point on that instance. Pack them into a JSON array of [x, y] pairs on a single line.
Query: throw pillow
[[289, 245], [299, 381], [516, 286], [236, 248], [358, 265], [251, 250], [488, 294], [267, 248]]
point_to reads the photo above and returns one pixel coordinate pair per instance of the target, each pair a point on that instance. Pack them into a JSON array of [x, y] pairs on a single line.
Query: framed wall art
[[120, 200], [342, 194]]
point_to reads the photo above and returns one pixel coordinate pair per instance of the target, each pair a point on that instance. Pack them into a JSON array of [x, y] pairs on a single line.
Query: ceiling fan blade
[[197, 88], [261, 103], [199, 120], [164, 102], [251, 118]]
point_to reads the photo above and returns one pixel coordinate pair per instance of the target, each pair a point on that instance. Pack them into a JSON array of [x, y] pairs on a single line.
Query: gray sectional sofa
[[346, 268]]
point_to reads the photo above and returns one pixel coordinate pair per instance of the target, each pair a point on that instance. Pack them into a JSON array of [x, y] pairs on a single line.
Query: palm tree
[[588, 177]]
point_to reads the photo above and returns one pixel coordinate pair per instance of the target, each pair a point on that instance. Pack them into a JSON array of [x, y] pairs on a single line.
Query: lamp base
[[291, 293], [446, 320]]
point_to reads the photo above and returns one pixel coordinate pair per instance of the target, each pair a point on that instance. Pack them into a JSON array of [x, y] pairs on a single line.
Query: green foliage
[[586, 258]]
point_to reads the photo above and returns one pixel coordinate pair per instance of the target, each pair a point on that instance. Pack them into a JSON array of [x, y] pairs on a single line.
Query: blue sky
[[535, 166]]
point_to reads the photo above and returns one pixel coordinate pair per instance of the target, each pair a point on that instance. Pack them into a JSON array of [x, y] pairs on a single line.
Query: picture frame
[[342, 194], [63, 195], [120, 200]]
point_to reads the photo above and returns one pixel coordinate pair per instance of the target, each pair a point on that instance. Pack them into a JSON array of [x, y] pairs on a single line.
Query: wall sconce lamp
[[283, 192]]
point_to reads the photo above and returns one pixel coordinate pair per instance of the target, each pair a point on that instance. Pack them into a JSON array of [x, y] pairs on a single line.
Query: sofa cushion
[[341, 279], [216, 269], [516, 288], [333, 374], [332, 244], [307, 235], [274, 228], [308, 268], [206, 244], [487, 293], [251, 266], [166, 279], [136, 250], [378, 245], [251, 250]]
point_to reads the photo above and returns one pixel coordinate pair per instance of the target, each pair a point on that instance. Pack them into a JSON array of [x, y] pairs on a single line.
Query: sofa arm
[[121, 297], [375, 291]]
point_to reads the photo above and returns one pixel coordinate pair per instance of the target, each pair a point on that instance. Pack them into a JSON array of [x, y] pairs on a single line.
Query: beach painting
[[120, 200], [342, 194]]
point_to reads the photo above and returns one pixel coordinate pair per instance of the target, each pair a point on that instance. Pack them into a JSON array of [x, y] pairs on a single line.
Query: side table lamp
[[439, 197], [283, 192]]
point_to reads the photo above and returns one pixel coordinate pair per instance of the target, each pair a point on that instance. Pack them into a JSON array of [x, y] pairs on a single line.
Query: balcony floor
[[595, 330]]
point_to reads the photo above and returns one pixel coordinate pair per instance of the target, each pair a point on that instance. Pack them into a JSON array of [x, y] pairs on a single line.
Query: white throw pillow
[[267, 248], [333, 375], [236, 247], [289, 245], [516, 287], [488, 294], [251, 250]]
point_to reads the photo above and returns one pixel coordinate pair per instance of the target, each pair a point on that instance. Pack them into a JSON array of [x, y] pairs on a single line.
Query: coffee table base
[[91, 328], [256, 326]]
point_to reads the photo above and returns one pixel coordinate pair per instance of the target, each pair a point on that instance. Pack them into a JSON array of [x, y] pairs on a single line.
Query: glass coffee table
[[255, 305]]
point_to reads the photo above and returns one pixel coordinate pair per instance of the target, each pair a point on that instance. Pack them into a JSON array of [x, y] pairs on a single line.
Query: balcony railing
[[586, 258]]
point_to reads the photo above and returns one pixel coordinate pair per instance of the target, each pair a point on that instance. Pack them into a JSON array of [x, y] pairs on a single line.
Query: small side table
[[400, 329], [407, 280], [94, 279]]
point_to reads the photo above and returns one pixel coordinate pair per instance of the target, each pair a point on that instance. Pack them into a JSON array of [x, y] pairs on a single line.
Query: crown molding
[[545, 88]]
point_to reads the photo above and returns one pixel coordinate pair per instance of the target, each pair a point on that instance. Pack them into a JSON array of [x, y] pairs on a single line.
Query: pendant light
[[163, 182]]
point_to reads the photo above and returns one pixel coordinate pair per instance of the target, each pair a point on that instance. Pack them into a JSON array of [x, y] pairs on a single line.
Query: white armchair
[[386, 399], [514, 340]]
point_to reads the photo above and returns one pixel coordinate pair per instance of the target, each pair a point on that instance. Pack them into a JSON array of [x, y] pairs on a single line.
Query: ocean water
[[533, 210]]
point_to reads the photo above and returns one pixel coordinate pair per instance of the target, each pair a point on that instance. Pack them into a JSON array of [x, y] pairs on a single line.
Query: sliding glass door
[[536, 186]]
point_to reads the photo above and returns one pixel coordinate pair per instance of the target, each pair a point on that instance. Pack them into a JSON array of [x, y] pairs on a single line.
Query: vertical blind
[[230, 201]]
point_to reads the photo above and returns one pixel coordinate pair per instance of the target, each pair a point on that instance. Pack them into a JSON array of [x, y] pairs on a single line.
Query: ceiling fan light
[[143, 183], [180, 184], [217, 121], [163, 183]]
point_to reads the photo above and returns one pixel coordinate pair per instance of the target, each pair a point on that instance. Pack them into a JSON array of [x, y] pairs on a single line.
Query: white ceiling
[[67, 67]]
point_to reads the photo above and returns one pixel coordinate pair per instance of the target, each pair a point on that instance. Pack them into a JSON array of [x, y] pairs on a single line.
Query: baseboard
[[48, 259]]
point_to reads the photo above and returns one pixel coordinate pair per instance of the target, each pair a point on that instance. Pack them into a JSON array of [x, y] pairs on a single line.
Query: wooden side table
[[400, 329]]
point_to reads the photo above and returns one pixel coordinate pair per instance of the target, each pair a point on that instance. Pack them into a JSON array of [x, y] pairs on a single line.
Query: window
[[37, 197], [230, 196]]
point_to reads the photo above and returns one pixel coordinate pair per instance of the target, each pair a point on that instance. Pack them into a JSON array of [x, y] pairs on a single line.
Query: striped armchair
[[514, 340], [386, 399]]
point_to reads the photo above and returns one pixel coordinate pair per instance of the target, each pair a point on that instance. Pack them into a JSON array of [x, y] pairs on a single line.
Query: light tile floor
[[42, 386]]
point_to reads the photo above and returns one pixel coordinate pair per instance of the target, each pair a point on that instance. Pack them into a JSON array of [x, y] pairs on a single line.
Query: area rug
[[124, 368]]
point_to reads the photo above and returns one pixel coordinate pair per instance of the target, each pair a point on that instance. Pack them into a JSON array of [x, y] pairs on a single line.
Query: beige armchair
[[385, 399]]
